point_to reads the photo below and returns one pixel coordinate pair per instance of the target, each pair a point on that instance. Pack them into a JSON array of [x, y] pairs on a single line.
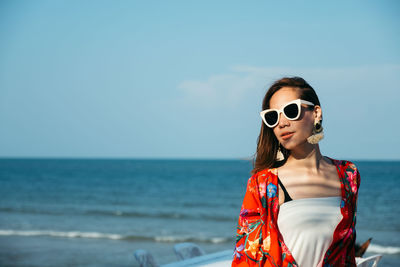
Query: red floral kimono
[[258, 240]]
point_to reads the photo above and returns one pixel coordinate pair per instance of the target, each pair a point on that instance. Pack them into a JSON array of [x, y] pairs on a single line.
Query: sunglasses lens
[[291, 111], [271, 117]]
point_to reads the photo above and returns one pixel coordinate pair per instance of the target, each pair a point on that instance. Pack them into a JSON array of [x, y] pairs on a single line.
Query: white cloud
[[242, 82], [221, 90]]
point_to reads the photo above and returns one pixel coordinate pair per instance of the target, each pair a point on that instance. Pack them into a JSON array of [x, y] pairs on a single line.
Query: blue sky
[[185, 79]]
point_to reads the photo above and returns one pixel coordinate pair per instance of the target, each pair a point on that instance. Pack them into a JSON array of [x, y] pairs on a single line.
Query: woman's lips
[[287, 135]]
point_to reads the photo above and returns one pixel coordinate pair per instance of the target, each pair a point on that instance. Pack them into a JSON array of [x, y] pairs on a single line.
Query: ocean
[[97, 212]]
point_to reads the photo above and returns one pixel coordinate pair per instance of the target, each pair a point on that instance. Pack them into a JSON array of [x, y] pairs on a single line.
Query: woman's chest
[[300, 186]]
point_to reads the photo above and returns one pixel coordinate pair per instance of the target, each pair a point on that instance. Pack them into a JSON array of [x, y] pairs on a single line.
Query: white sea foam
[[171, 239], [71, 234], [383, 249], [78, 234], [217, 240], [214, 240]]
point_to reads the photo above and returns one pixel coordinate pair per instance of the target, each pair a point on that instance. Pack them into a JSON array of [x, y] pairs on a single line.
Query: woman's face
[[293, 133]]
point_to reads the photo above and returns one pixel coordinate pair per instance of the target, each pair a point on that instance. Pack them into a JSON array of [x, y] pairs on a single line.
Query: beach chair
[[371, 261], [145, 259], [187, 251]]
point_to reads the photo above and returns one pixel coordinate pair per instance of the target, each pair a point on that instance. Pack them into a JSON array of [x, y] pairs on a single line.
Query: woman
[[315, 196]]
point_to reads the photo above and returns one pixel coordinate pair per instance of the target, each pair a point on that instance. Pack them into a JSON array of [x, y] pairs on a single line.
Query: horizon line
[[155, 158]]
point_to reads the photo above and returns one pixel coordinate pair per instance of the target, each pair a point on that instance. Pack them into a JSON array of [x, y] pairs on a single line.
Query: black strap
[[287, 197]]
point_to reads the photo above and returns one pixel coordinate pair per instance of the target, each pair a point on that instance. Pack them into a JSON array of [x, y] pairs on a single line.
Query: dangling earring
[[279, 154], [317, 133]]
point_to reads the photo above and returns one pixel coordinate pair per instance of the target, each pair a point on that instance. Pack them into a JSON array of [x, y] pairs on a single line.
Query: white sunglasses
[[291, 110]]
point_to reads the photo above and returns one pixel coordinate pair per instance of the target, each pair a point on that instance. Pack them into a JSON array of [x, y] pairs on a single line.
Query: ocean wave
[[383, 249], [31, 211], [97, 235], [163, 215], [176, 239], [119, 213], [71, 234]]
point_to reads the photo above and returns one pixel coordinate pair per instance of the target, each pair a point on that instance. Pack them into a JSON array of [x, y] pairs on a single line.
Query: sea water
[[91, 212]]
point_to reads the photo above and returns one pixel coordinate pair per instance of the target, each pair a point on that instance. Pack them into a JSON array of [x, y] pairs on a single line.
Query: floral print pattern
[[258, 240]]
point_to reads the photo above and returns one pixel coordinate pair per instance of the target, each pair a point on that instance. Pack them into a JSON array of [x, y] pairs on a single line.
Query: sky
[[185, 79]]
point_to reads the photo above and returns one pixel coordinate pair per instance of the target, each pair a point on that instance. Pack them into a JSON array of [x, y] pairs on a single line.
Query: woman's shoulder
[[263, 176], [349, 172], [346, 165]]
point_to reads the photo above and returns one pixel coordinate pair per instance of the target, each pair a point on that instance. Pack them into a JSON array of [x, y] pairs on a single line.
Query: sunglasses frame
[[298, 102]]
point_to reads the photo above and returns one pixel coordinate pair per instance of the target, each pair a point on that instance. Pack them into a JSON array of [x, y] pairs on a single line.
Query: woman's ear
[[317, 113]]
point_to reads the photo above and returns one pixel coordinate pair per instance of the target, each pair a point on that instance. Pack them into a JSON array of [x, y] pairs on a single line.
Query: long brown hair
[[267, 144]]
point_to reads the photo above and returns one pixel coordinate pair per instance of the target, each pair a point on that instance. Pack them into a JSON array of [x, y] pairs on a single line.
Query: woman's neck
[[308, 156]]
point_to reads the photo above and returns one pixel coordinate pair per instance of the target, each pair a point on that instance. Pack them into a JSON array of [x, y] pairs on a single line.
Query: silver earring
[[317, 133], [279, 154]]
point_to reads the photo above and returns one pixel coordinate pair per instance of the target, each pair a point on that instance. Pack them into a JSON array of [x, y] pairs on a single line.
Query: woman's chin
[[291, 144], [295, 144], [288, 146]]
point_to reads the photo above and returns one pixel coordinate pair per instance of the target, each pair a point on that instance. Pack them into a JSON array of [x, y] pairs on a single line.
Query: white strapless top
[[307, 227]]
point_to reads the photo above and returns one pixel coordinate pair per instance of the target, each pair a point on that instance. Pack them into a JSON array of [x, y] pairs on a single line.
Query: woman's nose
[[283, 121]]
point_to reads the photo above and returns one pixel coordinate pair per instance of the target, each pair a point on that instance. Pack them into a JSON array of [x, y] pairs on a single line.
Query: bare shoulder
[[330, 169], [342, 165]]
